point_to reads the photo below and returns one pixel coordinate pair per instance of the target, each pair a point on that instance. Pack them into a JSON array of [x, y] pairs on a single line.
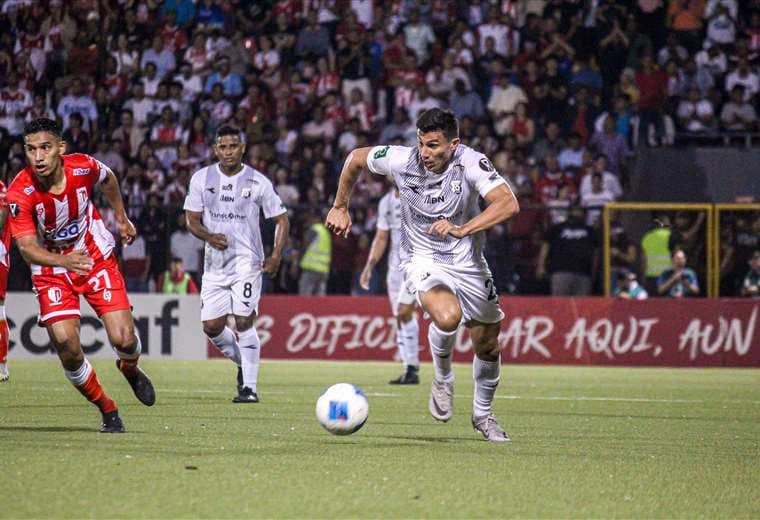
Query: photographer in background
[[678, 281]]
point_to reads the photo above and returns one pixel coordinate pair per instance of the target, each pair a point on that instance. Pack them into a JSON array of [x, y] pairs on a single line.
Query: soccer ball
[[342, 409]]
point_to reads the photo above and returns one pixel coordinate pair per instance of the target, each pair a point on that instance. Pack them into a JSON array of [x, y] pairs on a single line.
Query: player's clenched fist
[[127, 231], [78, 262], [338, 221], [443, 228], [271, 266], [218, 241]]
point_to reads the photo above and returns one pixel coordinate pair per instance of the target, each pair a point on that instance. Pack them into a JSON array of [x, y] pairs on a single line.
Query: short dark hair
[[42, 124], [229, 130], [439, 120]]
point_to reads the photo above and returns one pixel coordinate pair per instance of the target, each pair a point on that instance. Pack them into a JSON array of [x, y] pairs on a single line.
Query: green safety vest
[[656, 250], [170, 287], [317, 256]]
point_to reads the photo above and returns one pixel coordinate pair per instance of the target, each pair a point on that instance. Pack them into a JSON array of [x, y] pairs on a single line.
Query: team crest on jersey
[[80, 171], [246, 193], [13, 208], [381, 152], [29, 190], [485, 165], [456, 186]]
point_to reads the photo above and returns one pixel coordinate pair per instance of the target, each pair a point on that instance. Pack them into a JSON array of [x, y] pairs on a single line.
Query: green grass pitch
[[587, 442]]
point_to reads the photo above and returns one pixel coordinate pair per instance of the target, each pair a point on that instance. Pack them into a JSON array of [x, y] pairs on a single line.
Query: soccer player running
[[442, 240], [5, 263], [402, 301], [59, 232], [222, 208]]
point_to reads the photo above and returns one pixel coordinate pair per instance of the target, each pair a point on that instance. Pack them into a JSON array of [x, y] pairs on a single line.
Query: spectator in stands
[[672, 51], [418, 36], [568, 254], [751, 282], [176, 280], [610, 181], [232, 83], [571, 157], [547, 186], [313, 39], [464, 102], [713, 60], [78, 101], [685, 17], [141, 107], [187, 247], [158, 54], [628, 288], [77, 140], [695, 113], [421, 101], [743, 76], [737, 114], [595, 199], [551, 143], [317, 253], [136, 265], [652, 84], [15, 103], [721, 19], [678, 281], [612, 145], [521, 126]]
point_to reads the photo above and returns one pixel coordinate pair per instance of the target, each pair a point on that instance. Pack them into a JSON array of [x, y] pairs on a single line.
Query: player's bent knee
[[448, 321], [243, 323], [212, 328]]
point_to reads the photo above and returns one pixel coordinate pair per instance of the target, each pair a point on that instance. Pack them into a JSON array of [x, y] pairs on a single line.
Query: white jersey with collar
[[427, 197], [231, 206]]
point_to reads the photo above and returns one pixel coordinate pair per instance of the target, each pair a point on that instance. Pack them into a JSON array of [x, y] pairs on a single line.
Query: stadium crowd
[[559, 94]]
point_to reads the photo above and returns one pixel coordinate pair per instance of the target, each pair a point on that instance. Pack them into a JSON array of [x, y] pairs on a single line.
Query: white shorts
[[473, 287], [398, 292], [222, 294]]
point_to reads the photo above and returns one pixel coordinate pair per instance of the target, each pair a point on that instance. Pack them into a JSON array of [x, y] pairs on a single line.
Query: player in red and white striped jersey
[[59, 232], [5, 263]]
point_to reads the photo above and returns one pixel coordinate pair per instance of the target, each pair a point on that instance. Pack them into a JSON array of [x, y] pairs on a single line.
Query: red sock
[[128, 366], [3, 341], [94, 393]]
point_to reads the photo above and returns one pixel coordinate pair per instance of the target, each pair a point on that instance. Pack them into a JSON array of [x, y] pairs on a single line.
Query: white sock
[[441, 346], [486, 376], [408, 337], [134, 355], [250, 354], [79, 376], [228, 345]]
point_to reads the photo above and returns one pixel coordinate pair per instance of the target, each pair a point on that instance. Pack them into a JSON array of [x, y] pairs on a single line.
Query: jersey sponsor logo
[[382, 152], [227, 198], [13, 208], [227, 187], [433, 200], [485, 165], [80, 171], [227, 216], [456, 186], [64, 233], [55, 296], [29, 190]]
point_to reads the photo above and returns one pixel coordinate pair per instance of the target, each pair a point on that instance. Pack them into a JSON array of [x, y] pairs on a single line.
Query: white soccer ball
[[342, 409]]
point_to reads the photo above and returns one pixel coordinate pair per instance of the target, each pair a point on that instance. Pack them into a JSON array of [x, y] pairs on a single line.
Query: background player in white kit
[[440, 182], [402, 301], [222, 208]]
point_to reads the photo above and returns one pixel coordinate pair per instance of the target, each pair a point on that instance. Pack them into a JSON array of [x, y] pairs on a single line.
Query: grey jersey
[[427, 197], [389, 219], [231, 206]]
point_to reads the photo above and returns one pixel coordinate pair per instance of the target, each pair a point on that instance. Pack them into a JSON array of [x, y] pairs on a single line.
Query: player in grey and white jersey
[[440, 183]]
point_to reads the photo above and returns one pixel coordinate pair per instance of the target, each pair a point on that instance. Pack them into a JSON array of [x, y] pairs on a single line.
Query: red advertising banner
[[583, 331]]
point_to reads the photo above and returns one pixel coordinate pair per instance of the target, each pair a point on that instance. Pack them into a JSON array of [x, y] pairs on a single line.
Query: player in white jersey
[[402, 300], [440, 183], [222, 208]]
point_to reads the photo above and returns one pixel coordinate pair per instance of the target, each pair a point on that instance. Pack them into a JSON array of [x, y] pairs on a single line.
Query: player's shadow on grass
[[46, 429], [422, 438], [633, 416]]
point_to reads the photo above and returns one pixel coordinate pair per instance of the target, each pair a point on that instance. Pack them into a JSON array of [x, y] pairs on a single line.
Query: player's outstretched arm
[[110, 188], [502, 205], [281, 230], [195, 225], [77, 261], [338, 220], [379, 244]]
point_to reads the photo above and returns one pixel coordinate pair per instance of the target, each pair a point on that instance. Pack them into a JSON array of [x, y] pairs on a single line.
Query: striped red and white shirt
[[64, 222]]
